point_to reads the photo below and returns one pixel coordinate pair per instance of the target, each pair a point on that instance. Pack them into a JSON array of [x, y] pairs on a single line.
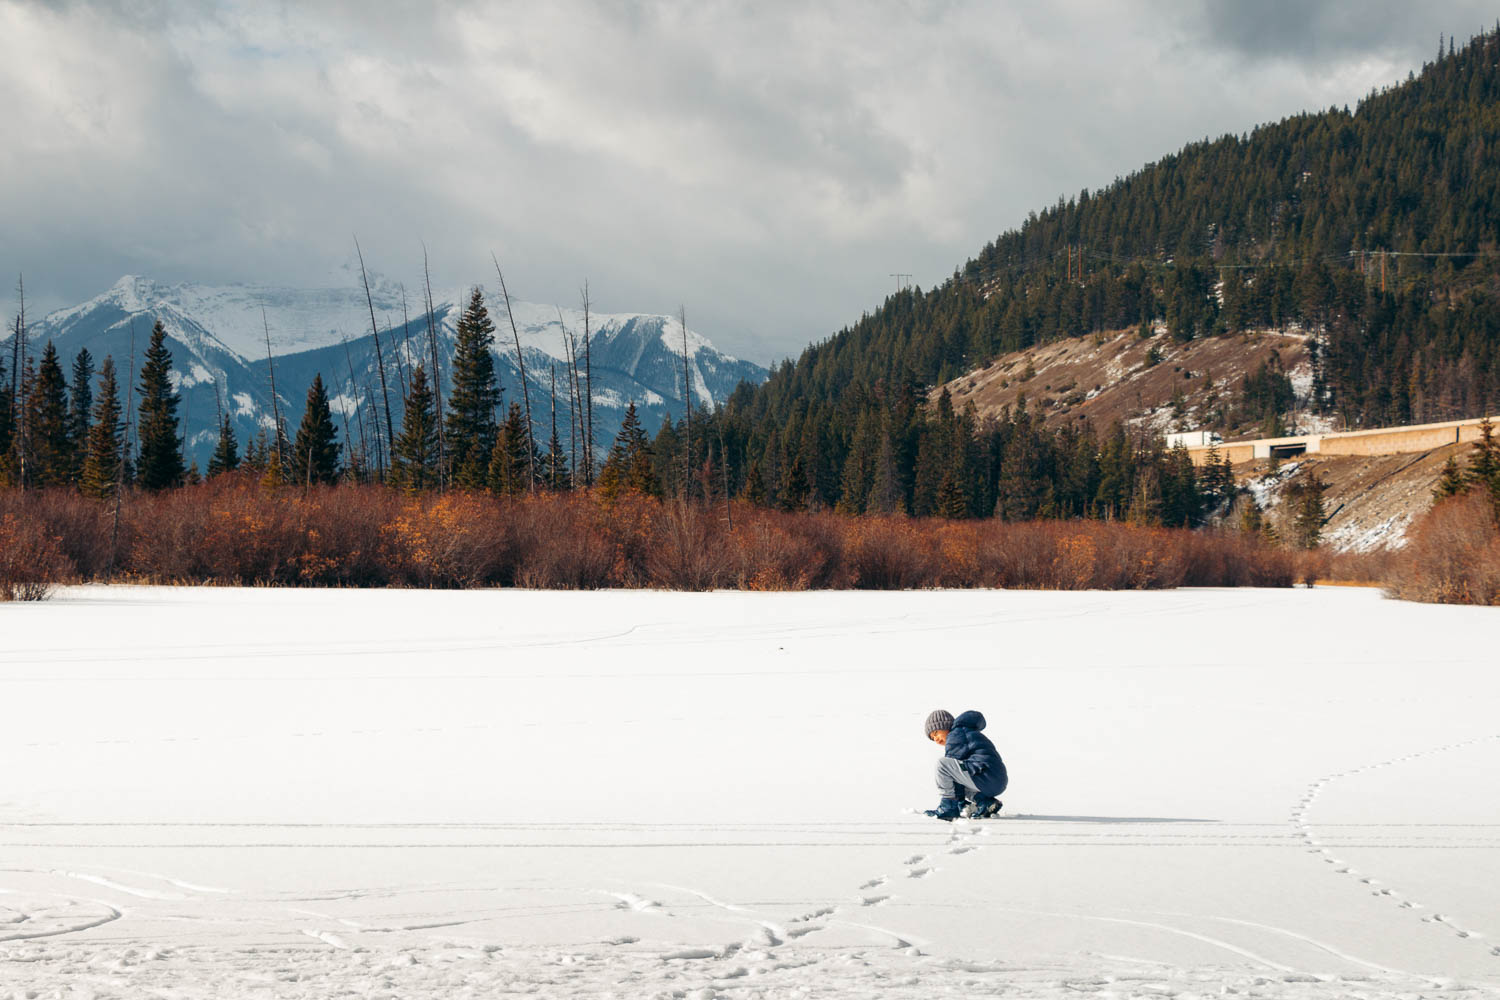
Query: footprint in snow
[[915, 859], [919, 873], [872, 900], [874, 883]]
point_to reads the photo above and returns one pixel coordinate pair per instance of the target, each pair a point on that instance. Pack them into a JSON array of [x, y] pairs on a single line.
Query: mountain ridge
[[218, 335]]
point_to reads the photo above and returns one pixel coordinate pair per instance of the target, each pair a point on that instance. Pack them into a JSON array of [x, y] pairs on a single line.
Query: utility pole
[[903, 281]]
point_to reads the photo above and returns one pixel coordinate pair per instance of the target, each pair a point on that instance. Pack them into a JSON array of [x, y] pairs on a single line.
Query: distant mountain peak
[[218, 334]]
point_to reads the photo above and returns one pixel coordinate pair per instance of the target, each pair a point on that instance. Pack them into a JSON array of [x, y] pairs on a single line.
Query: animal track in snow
[[919, 873], [872, 900], [874, 883]]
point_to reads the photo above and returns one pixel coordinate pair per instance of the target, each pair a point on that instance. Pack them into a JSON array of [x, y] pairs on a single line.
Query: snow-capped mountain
[[218, 337]]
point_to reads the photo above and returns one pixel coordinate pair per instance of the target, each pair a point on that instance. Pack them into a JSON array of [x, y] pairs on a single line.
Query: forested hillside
[[1373, 232]]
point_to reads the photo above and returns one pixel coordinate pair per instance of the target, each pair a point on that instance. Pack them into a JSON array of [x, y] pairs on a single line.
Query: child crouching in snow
[[970, 771]]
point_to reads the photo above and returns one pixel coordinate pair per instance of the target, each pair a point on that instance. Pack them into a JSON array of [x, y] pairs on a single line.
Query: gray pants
[[953, 781]]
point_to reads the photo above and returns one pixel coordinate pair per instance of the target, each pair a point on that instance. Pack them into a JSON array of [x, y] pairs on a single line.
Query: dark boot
[[984, 807], [948, 810]]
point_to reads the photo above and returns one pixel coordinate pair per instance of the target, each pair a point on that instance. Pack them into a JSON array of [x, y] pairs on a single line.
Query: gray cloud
[[767, 165], [1303, 29]]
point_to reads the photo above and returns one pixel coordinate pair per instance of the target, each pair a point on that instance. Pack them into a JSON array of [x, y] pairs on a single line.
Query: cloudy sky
[[766, 164]]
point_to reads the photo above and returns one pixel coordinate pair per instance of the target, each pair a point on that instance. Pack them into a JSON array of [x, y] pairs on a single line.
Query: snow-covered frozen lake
[[423, 794]]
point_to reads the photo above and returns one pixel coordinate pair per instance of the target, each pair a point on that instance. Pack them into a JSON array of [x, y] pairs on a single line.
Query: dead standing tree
[[390, 435], [588, 388], [277, 431], [525, 390], [437, 373], [687, 401]]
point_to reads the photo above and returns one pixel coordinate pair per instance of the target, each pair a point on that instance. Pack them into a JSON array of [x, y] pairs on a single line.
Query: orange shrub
[[1452, 555]]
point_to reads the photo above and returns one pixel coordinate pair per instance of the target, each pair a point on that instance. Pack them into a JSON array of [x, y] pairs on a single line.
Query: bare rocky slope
[[1158, 384]]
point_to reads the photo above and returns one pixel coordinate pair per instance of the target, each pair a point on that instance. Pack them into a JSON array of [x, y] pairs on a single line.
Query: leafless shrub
[[1452, 555]]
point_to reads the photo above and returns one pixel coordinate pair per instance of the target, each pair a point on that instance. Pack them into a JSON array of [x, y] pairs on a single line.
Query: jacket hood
[[970, 720]]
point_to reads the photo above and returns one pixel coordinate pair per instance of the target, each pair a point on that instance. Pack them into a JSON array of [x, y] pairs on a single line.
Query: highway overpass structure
[[1374, 441]]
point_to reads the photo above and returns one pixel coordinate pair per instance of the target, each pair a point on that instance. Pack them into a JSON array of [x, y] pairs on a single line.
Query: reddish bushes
[[1452, 555], [234, 531], [31, 559]]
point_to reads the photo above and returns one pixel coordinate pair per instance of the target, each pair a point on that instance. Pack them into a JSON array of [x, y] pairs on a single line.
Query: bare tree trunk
[[275, 403], [687, 398], [437, 373], [525, 389], [588, 379], [364, 446], [402, 353], [22, 427], [390, 435], [552, 442], [570, 348]]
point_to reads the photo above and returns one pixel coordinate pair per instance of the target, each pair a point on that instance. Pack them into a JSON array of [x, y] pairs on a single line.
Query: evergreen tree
[[1484, 463], [886, 496], [628, 467], [414, 467], [508, 469], [226, 456], [315, 452], [666, 458], [161, 465], [755, 485], [51, 452], [7, 420], [555, 463], [101, 464], [1452, 482], [470, 429], [1305, 499], [257, 452], [82, 405]]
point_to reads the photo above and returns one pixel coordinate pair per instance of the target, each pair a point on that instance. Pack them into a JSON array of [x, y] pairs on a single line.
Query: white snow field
[[276, 793]]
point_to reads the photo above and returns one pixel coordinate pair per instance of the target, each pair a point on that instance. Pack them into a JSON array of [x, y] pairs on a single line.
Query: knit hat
[[939, 720]]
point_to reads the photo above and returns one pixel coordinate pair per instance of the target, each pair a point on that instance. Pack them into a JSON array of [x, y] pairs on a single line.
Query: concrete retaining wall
[[1377, 441]]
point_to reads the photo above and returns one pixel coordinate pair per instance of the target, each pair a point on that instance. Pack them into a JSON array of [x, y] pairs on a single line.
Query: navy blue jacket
[[978, 755]]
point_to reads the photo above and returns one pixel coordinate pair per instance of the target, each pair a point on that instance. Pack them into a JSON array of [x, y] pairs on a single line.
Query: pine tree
[[47, 423], [7, 421], [508, 472], [1484, 464], [1305, 498], [414, 467], [470, 430], [82, 405], [556, 463], [161, 466], [226, 456], [1452, 482], [755, 485], [315, 452], [628, 467], [257, 452], [101, 463]]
